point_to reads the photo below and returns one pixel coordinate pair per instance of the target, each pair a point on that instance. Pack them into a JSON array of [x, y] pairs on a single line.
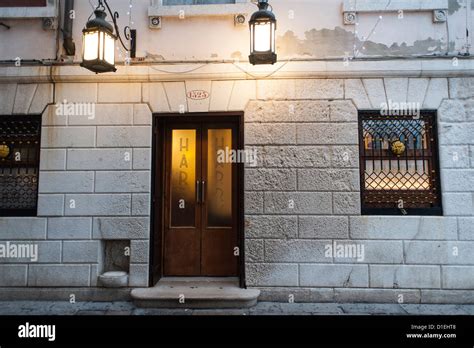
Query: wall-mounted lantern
[[262, 35], [98, 44]]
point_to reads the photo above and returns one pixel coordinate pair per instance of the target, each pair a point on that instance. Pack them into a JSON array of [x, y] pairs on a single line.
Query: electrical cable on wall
[[233, 63], [179, 72], [372, 31], [262, 77]]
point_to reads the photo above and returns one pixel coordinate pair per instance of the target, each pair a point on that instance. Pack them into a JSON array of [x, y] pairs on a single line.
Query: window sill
[[49, 11], [241, 7], [404, 5], [18, 213], [435, 211], [351, 8]]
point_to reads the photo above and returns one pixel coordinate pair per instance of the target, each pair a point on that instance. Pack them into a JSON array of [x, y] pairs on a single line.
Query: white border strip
[[394, 5], [242, 71]]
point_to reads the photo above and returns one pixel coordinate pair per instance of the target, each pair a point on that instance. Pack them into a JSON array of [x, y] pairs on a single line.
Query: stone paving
[[262, 308]]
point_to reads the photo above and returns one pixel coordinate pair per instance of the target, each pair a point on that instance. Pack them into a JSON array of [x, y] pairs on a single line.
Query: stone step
[[195, 292]]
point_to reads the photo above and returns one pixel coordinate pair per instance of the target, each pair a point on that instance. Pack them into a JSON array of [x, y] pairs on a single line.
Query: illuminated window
[[19, 164], [399, 164]]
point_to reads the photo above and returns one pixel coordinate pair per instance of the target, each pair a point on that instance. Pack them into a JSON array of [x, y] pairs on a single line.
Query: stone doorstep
[[198, 293]]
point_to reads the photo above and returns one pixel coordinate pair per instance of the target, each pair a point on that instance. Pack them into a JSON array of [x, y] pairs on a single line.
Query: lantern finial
[[263, 5]]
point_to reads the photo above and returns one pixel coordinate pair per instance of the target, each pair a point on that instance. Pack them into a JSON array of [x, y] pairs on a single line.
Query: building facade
[[353, 174]]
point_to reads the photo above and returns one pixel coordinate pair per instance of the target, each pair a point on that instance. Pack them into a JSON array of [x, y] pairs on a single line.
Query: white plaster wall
[[216, 38]]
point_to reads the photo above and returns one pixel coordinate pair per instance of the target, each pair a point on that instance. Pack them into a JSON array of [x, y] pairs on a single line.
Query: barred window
[[399, 164], [19, 164]]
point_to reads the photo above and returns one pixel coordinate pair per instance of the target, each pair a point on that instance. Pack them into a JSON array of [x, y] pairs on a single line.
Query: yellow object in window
[[4, 151], [398, 148]]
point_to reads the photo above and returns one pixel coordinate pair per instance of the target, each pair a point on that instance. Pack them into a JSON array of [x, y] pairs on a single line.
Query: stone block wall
[[94, 184], [303, 194], [95, 175]]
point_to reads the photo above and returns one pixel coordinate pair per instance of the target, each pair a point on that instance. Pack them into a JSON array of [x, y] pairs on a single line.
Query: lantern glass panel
[[263, 35], [101, 45], [91, 42], [252, 36], [109, 49], [273, 36]]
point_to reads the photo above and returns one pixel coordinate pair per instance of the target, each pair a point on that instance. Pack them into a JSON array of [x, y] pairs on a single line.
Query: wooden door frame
[[158, 184]]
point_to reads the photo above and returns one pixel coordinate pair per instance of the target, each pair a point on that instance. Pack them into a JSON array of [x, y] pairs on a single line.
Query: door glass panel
[[183, 178], [219, 173]]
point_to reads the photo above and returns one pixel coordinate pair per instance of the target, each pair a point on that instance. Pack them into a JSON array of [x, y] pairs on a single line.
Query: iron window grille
[[19, 164], [399, 166]]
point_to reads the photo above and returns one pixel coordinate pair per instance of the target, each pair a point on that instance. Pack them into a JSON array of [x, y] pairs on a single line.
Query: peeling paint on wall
[[237, 55], [327, 43], [453, 6], [306, 28]]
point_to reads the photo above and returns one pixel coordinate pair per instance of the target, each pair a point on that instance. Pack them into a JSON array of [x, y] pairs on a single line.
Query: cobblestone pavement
[[262, 308]]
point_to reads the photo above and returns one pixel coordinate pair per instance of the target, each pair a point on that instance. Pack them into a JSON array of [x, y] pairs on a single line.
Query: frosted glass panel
[[219, 169], [263, 34], [183, 178], [109, 49], [91, 43]]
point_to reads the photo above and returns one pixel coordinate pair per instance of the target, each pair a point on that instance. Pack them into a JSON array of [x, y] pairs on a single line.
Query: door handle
[[198, 194], [203, 192]]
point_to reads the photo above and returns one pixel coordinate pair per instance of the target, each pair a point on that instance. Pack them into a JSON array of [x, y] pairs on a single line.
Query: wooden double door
[[200, 222]]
